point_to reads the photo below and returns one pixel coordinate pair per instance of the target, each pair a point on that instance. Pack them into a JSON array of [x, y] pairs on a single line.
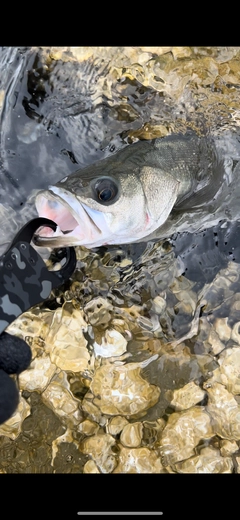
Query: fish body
[[147, 190]]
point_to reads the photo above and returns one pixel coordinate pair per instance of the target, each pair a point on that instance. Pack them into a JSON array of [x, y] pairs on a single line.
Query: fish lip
[[53, 194], [80, 205]]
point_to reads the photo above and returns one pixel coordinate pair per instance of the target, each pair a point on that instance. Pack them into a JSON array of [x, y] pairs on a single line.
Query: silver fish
[[149, 189]]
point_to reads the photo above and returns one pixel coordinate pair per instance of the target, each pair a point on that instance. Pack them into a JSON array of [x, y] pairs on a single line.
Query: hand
[[15, 356]]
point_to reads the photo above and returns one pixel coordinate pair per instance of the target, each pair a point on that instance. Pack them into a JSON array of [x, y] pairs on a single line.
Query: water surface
[[64, 108]]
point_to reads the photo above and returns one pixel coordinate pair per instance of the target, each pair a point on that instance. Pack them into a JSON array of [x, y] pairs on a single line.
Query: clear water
[[62, 109]]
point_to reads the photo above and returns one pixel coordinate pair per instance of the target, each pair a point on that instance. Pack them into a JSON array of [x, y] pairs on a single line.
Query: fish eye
[[106, 190]]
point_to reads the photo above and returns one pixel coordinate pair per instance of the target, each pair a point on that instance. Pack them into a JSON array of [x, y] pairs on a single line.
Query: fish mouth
[[77, 224]]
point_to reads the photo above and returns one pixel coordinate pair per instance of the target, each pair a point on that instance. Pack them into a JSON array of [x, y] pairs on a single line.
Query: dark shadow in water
[[205, 253]]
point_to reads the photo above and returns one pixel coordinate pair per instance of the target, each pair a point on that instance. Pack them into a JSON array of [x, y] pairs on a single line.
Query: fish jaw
[[76, 224], [80, 225]]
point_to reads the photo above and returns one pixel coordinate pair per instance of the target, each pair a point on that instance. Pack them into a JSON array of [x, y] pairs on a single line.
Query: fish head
[[112, 202]]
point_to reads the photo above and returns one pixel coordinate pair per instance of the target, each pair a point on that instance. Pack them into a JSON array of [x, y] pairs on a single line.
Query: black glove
[[15, 356], [25, 281]]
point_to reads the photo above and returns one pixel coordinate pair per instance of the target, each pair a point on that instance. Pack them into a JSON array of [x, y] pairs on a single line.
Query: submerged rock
[[99, 448], [131, 435], [139, 460], [91, 467], [38, 375], [113, 344], [209, 461], [122, 390], [13, 426], [182, 433], [228, 448], [228, 373], [65, 341], [187, 396], [116, 424], [224, 412], [59, 398]]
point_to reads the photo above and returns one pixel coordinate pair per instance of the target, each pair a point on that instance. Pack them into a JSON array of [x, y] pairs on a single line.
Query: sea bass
[[149, 189]]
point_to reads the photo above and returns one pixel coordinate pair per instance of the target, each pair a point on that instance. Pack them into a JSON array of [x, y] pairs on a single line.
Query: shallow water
[[175, 303]]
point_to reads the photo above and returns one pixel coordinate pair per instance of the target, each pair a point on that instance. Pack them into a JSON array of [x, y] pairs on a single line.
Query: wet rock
[[228, 448], [187, 396], [122, 390], [182, 433], [208, 339], [159, 305], [187, 298], [99, 448], [38, 375], [13, 426], [59, 398], [90, 467], [113, 344], [209, 461], [65, 438], [79, 383], [174, 367], [70, 357], [219, 294], [181, 52], [178, 364], [229, 371], [224, 412], [236, 332], [65, 342], [138, 460], [216, 345], [116, 425], [223, 329], [90, 409], [131, 435], [32, 326], [238, 464], [88, 427], [98, 311], [207, 363], [152, 431]]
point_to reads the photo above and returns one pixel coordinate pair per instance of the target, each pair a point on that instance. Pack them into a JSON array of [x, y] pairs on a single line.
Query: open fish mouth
[[77, 224]]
